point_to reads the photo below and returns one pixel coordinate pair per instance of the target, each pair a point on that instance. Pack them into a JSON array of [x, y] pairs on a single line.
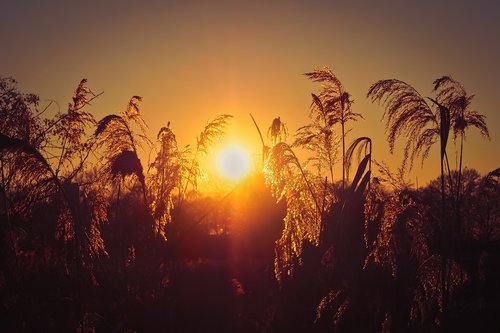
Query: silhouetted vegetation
[[95, 240]]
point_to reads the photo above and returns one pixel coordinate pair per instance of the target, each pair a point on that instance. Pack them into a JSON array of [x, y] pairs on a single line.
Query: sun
[[233, 162]]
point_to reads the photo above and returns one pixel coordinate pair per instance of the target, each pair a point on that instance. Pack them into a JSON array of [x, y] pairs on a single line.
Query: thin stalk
[[370, 166], [307, 182], [458, 200], [343, 155], [258, 130], [4, 193], [162, 185], [64, 116], [459, 182], [330, 159], [183, 194], [454, 203], [445, 243], [117, 201], [261, 140], [63, 149], [324, 195], [450, 179], [323, 210]]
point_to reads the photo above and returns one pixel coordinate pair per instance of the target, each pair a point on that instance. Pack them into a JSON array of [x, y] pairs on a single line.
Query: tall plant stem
[[45, 131], [117, 201], [343, 157], [444, 223], [4, 193], [459, 182], [183, 194], [450, 178], [307, 183], [261, 140], [258, 130], [370, 166], [162, 185]]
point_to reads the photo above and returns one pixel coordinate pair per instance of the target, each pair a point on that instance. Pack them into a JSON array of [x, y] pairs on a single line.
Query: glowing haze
[[191, 61], [234, 162]]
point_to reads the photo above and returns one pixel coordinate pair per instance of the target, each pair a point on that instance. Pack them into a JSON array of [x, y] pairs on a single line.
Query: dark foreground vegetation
[[94, 241]]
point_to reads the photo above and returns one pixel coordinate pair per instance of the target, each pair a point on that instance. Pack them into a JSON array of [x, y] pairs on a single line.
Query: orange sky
[[194, 60]]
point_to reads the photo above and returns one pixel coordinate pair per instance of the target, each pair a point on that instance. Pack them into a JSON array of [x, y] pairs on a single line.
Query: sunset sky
[[193, 60]]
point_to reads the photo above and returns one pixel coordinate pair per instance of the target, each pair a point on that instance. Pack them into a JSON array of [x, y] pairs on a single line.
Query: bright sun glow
[[233, 162]]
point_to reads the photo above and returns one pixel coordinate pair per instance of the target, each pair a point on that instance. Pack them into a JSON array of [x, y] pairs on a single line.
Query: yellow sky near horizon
[[193, 61]]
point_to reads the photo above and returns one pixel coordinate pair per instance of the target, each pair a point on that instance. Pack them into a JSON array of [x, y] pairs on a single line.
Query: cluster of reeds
[[360, 235], [79, 165], [319, 214]]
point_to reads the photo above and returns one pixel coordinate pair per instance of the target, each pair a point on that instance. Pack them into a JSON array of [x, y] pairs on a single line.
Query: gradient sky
[[193, 60]]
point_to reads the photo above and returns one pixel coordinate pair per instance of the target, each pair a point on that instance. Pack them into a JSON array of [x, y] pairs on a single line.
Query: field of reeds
[[94, 239]]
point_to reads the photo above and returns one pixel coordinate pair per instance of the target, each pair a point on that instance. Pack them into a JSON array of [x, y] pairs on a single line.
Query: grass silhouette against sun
[[139, 248]]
